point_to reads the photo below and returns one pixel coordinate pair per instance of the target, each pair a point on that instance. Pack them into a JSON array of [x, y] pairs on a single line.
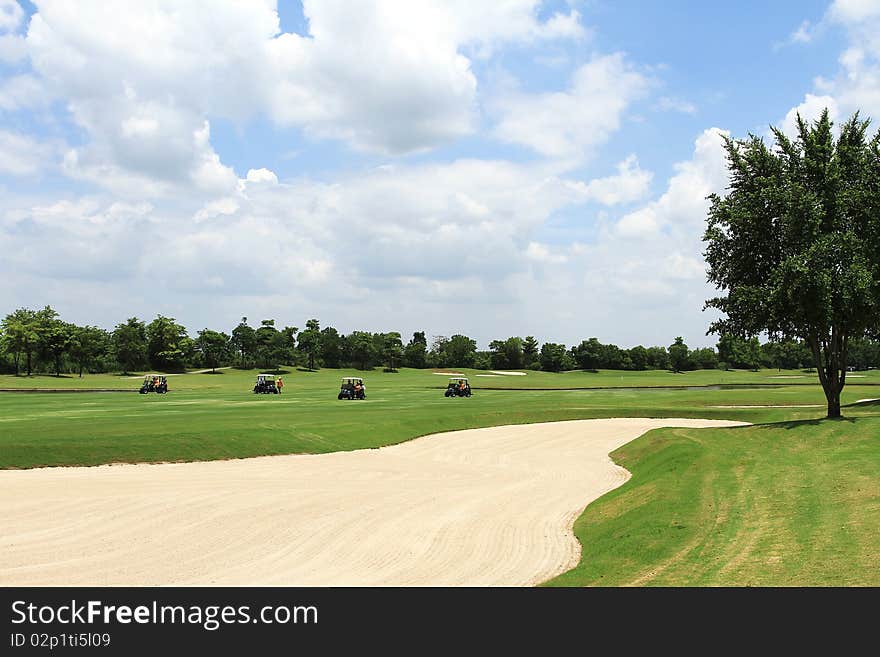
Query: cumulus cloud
[[571, 124], [21, 155], [809, 110], [630, 184], [11, 15], [856, 86]]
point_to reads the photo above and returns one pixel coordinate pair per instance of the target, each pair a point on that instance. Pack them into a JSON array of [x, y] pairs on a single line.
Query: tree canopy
[[794, 245]]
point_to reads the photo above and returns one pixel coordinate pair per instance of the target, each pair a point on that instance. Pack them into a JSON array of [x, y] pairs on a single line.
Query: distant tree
[[794, 246], [483, 360], [588, 354], [553, 357], [863, 353], [362, 348], [87, 343], [612, 357], [54, 339], [507, 354], [439, 354], [270, 345], [331, 347], [658, 358], [130, 345], [287, 344], [678, 355], [213, 347], [167, 344], [244, 341], [704, 359], [392, 350], [638, 356], [21, 336], [530, 350], [731, 350], [416, 352], [309, 341], [461, 351]]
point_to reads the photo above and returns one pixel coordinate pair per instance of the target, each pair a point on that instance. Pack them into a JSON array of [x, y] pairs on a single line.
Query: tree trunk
[[830, 359], [833, 398]]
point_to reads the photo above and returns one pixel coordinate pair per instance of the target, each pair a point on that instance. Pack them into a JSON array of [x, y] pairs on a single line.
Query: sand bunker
[[505, 373], [479, 507]]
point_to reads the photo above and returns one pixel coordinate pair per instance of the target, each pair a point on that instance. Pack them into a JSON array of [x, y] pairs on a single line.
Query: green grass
[[779, 504], [794, 500], [211, 416]]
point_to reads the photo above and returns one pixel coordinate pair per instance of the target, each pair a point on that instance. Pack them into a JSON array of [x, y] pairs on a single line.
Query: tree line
[[40, 341]]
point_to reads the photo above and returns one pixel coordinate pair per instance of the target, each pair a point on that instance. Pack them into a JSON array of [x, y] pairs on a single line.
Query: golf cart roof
[[458, 378], [272, 375], [150, 376], [352, 378]]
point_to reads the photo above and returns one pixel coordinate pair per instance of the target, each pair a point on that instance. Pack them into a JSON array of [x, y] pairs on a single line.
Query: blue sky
[[532, 168]]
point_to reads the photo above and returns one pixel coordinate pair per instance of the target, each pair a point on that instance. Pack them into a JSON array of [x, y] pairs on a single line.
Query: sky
[[449, 166]]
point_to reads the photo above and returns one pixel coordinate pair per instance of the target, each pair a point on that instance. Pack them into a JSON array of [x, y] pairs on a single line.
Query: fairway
[[216, 416], [791, 500]]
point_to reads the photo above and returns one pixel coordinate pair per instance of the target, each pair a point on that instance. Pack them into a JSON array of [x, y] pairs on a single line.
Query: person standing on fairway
[[279, 384]]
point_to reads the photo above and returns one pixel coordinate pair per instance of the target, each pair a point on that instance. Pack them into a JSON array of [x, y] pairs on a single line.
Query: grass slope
[[781, 504]]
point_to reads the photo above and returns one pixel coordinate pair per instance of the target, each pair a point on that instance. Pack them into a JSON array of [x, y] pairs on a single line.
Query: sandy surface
[[478, 507]]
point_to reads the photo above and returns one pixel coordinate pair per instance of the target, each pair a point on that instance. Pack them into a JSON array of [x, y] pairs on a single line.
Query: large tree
[[213, 346], [86, 344], [794, 245], [529, 350], [244, 341], [678, 355], [588, 354], [168, 345], [310, 341], [416, 352], [20, 336], [55, 337], [553, 357], [331, 347], [392, 350], [130, 344]]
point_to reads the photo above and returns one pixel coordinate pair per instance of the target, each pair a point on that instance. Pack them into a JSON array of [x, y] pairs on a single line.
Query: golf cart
[[266, 384], [154, 383], [352, 388], [458, 387]]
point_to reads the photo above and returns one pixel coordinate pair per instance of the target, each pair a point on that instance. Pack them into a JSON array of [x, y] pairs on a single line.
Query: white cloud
[[684, 202], [571, 124], [21, 155], [854, 11], [142, 78], [802, 34], [809, 110], [542, 253], [262, 176], [668, 104], [12, 48], [856, 86], [630, 184], [23, 91], [11, 15]]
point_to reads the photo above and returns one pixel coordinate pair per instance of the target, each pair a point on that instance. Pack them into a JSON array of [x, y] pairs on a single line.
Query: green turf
[[779, 504], [794, 500], [210, 416]]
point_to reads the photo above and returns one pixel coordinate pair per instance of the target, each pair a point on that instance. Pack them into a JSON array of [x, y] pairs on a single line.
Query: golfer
[[279, 384]]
